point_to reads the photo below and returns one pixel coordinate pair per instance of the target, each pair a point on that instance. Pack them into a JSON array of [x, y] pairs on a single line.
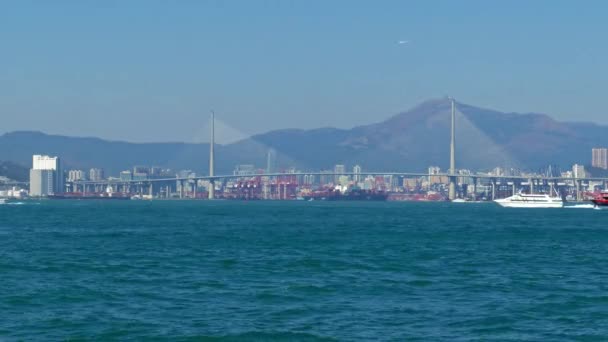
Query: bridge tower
[[452, 185], [211, 189]]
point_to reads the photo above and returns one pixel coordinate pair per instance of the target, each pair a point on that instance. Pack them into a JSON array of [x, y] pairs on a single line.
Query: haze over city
[[151, 70]]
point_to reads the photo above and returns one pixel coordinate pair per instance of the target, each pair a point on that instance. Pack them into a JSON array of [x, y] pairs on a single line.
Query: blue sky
[[151, 70]]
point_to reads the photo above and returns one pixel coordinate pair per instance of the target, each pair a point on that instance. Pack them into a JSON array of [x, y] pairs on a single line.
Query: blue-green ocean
[[227, 270]]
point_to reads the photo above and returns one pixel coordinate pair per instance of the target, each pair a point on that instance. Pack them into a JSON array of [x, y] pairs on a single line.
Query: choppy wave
[[285, 271]]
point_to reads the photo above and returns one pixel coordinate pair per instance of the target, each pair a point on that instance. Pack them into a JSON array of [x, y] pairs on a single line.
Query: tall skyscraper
[[599, 158], [357, 172], [46, 176]]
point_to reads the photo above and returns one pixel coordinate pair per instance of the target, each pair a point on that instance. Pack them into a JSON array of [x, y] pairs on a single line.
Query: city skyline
[[310, 65]]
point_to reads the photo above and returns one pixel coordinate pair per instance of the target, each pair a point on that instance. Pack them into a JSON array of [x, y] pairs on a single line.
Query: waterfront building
[[578, 171], [599, 158], [141, 169], [369, 183], [46, 176], [140, 176], [76, 175], [343, 181], [411, 183], [339, 170], [126, 176], [156, 171], [434, 177], [96, 175], [41, 183], [14, 192]]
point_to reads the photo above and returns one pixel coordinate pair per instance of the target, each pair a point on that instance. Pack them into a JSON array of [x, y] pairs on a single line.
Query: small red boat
[[601, 199]]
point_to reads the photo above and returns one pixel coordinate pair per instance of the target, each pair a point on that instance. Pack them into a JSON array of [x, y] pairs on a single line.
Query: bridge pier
[[493, 188], [452, 188], [211, 189]]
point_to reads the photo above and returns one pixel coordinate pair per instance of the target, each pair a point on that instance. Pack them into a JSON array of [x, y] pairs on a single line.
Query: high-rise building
[[357, 172], [578, 171], [271, 161], [141, 169], [46, 176], [40, 162], [339, 170], [599, 158], [140, 176], [126, 175], [435, 170], [76, 175], [155, 171], [41, 182], [96, 175]]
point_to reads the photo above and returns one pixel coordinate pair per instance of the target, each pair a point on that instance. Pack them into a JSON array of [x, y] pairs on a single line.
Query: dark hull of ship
[[76, 197], [600, 202], [350, 197]]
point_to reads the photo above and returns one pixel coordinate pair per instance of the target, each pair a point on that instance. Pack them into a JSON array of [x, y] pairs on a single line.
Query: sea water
[[301, 271]]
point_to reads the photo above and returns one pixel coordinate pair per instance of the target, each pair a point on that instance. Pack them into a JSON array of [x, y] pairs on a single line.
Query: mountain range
[[409, 141]]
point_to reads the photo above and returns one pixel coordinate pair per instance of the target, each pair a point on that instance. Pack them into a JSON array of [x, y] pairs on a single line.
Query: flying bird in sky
[[401, 42]]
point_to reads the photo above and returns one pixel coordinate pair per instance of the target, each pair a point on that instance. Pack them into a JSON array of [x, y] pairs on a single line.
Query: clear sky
[[151, 70]]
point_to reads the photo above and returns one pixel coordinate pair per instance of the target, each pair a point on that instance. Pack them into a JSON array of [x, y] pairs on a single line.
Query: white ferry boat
[[531, 201]]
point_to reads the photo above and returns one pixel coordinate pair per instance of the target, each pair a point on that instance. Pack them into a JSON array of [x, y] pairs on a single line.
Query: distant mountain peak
[[408, 141]]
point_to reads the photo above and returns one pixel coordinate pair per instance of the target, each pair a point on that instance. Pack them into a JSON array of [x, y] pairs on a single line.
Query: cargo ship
[[93, 196], [109, 194], [350, 195]]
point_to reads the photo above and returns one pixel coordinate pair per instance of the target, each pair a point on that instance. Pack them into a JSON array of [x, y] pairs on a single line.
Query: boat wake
[[580, 206]]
